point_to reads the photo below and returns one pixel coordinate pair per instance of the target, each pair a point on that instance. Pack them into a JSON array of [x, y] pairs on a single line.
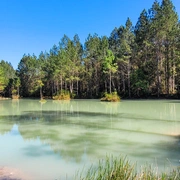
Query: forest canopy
[[134, 61]]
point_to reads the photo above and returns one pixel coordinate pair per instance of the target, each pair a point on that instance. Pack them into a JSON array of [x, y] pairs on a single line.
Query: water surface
[[54, 140]]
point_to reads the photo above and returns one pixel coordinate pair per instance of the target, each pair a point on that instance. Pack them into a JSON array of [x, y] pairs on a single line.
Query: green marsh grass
[[120, 168]]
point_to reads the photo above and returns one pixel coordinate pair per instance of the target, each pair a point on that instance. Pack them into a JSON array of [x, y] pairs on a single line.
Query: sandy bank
[[7, 173]]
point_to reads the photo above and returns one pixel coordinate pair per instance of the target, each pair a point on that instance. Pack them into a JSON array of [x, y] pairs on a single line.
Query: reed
[[120, 168]]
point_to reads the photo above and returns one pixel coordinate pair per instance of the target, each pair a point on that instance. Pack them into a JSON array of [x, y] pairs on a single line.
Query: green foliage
[[139, 83], [15, 96], [62, 95], [135, 61], [111, 97], [2, 79], [40, 83], [121, 169], [15, 84], [109, 66], [7, 73], [111, 169], [42, 101]]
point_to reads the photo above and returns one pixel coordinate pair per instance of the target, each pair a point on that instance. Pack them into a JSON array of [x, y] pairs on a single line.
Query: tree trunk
[[110, 83], [41, 95], [57, 86], [65, 85], [173, 72], [71, 87], [105, 84], [18, 91], [167, 72], [129, 81], [61, 83], [123, 81], [157, 74], [77, 83]]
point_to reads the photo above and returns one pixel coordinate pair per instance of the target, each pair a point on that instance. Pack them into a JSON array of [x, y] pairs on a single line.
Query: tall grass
[[120, 168]]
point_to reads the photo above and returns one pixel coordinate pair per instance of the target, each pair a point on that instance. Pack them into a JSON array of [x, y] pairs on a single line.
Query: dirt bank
[[7, 173]]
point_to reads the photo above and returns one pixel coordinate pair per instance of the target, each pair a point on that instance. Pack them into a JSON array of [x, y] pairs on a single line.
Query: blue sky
[[32, 26]]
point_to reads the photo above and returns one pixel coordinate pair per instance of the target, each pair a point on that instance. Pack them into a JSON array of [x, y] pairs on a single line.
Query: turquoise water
[[54, 140]]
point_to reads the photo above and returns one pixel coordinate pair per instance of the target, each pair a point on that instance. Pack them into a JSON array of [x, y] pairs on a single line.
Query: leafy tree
[[73, 57], [125, 54], [29, 74], [109, 66], [93, 64], [170, 26], [163, 26], [6, 74], [2, 80], [140, 83], [15, 86]]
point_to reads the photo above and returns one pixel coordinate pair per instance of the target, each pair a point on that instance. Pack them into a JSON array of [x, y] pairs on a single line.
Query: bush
[[62, 95], [14, 94], [111, 97], [15, 97]]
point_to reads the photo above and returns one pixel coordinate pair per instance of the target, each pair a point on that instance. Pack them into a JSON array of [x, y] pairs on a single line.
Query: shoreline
[[8, 173]]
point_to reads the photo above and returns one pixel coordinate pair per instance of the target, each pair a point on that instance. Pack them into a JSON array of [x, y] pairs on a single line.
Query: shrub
[[62, 95], [15, 97], [111, 97]]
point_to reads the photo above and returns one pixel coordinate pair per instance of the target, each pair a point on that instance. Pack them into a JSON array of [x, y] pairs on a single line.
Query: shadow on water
[[72, 134], [37, 151], [65, 132], [166, 152], [74, 131], [83, 119]]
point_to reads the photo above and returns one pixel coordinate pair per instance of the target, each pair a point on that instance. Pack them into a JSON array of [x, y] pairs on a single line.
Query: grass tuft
[[121, 169]]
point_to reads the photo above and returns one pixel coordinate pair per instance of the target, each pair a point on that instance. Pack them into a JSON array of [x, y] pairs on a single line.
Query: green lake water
[[54, 140]]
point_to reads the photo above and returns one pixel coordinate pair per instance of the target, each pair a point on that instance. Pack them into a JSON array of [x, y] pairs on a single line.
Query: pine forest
[[141, 61]]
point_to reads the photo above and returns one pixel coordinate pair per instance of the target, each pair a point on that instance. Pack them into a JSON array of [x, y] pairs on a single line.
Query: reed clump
[[121, 169]]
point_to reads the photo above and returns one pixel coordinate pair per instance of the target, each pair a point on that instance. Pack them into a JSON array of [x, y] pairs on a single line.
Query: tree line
[[134, 61]]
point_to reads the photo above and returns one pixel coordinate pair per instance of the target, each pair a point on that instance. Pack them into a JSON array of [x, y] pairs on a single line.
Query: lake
[[54, 140]]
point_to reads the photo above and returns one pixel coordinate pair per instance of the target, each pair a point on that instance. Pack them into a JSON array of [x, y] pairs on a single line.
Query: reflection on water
[[57, 138]]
